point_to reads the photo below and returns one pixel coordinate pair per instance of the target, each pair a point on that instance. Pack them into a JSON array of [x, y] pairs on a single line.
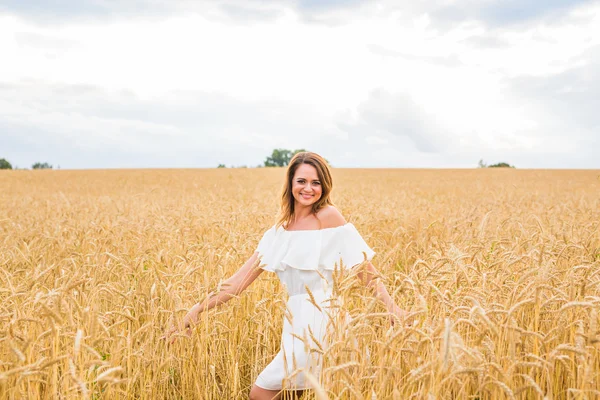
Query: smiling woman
[[308, 185], [309, 242]]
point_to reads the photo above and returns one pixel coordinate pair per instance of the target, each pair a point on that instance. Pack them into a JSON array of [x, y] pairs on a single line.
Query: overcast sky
[[182, 83]]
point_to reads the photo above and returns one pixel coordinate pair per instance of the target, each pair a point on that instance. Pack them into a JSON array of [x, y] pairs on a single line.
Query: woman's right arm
[[232, 287]]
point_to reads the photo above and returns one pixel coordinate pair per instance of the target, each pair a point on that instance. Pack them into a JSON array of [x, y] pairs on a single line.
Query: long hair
[[286, 212]]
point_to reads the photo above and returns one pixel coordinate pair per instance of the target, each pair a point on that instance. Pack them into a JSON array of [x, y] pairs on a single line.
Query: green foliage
[[482, 164], [4, 164], [281, 157], [221, 166], [38, 165], [501, 165]]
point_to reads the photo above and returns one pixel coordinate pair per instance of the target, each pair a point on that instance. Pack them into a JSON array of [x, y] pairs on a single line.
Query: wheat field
[[499, 268]]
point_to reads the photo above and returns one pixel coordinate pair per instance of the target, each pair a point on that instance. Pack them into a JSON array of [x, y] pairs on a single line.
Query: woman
[[310, 240]]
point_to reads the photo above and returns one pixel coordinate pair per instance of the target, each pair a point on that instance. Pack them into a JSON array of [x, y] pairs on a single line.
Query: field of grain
[[500, 268]]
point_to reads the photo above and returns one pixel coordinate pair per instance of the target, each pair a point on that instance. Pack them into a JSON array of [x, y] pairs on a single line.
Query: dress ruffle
[[312, 249]]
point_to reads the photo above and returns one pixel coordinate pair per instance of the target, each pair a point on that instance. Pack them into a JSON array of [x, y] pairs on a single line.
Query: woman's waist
[[317, 293]]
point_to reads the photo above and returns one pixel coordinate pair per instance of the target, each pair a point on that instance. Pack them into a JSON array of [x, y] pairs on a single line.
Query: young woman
[[308, 242]]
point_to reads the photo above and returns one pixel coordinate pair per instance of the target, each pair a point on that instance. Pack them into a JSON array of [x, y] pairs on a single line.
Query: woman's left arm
[[371, 278]]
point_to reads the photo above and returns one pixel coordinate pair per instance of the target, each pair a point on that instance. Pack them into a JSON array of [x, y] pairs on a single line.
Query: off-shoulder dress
[[305, 259]]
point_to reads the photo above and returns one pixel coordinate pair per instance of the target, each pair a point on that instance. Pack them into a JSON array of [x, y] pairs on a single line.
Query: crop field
[[500, 269]]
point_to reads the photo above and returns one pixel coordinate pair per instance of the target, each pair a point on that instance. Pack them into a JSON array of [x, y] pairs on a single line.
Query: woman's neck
[[301, 212]]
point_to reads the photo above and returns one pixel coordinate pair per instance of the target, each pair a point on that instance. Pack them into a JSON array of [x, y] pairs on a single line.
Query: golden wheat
[[498, 268]]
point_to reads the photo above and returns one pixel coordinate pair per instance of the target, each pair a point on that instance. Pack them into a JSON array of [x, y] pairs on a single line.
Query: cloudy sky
[[182, 83]]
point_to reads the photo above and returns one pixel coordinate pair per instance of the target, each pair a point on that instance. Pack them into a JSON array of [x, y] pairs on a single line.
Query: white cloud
[[441, 86]]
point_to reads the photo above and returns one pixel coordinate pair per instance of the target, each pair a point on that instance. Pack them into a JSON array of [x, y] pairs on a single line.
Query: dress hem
[[306, 388]]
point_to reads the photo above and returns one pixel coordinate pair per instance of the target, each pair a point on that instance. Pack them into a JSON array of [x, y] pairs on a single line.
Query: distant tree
[[482, 164], [4, 164], [281, 157], [501, 165], [38, 165], [221, 166]]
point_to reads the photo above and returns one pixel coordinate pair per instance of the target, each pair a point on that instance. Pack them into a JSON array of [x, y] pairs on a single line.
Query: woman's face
[[306, 186]]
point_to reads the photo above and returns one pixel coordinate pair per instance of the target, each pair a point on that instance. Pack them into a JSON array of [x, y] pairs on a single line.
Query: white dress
[[305, 259]]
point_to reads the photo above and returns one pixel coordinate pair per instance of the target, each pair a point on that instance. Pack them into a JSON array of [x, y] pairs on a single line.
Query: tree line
[[482, 164], [278, 158], [282, 157], [5, 164]]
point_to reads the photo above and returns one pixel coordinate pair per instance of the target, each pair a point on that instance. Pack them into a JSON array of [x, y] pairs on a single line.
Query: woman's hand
[[172, 334], [396, 313]]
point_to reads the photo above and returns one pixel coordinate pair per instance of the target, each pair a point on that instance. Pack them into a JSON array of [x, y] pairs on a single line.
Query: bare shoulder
[[330, 217]]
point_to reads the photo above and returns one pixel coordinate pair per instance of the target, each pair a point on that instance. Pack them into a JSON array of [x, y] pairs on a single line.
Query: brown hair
[[286, 212]]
